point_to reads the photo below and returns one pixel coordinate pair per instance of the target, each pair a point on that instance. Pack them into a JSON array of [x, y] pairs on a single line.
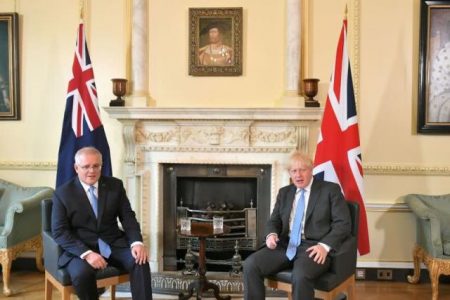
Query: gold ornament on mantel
[[119, 90], [311, 88]]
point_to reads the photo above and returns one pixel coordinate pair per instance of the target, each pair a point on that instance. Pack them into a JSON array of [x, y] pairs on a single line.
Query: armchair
[[340, 278], [20, 224], [59, 277], [433, 237]]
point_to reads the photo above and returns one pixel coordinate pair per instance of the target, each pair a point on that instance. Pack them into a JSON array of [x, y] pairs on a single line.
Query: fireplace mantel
[[223, 136], [201, 113]]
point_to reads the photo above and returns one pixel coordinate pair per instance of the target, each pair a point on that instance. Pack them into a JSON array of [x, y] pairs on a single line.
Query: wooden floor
[[29, 285]]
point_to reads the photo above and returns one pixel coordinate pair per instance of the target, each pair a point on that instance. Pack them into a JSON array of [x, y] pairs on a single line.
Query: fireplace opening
[[238, 193]]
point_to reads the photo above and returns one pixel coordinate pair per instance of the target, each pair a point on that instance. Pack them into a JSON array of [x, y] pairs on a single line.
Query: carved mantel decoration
[[239, 136]]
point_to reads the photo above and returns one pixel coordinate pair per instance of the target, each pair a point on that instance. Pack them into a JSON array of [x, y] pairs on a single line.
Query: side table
[[202, 231]]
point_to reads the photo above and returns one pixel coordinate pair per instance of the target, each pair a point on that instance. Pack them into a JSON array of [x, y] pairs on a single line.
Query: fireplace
[[223, 143], [238, 193]]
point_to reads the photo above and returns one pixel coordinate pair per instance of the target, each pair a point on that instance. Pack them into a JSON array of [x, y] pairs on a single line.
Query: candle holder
[[119, 90], [311, 88]]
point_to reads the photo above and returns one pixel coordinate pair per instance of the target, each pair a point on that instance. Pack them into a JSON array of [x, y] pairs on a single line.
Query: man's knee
[[249, 265], [82, 273]]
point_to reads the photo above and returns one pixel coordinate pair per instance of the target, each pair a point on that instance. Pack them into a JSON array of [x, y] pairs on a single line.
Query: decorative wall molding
[[28, 165], [387, 207], [406, 170], [369, 169]]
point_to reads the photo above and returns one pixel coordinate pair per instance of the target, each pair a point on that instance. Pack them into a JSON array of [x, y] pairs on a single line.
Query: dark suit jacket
[[75, 227], [327, 215]]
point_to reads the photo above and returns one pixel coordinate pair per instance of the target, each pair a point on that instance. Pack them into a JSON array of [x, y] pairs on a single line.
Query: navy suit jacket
[[327, 215], [76, 228]]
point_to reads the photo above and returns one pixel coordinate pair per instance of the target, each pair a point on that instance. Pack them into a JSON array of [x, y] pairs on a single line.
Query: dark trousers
[[84, 281], [266, 262]]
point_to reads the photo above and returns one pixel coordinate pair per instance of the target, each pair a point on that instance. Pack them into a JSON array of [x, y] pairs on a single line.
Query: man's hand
[[318, 252], [96, 260], [271, 241], [140, 254]]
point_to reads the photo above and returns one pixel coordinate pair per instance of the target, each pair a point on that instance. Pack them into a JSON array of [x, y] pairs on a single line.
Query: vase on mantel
[[311, 88]]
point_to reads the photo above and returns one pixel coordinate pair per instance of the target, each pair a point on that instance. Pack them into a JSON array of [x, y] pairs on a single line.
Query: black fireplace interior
[[239, 193]]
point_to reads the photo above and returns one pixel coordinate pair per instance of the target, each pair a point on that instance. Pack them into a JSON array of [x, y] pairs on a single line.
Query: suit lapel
[[290, 196], [85, 203], [313, 198], [102, 195]]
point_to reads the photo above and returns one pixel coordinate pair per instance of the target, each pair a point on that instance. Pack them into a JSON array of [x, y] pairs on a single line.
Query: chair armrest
[[52, 252], [343, 262], [418, 207], [428, 226]]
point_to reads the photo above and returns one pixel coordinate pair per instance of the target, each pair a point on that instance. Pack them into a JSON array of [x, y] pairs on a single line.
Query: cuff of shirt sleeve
[[136, 243], [327, 248], [82, 256], [276, 235]]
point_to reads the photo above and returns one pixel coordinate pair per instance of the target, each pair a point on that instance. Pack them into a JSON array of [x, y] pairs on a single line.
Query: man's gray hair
[[87, 150]]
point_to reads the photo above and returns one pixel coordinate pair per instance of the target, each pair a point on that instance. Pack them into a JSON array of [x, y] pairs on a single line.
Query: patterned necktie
[[104, 248], [295, 239]]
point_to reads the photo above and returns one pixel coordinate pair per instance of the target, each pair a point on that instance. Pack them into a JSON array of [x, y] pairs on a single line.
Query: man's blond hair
[[298, 156]]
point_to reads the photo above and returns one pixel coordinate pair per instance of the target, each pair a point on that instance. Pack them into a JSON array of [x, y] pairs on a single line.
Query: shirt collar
[[87, 186], [307, 188]]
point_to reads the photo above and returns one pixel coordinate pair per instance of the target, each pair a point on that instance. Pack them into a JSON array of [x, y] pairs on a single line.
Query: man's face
[[214, 35], [301, 175], [89, 168]]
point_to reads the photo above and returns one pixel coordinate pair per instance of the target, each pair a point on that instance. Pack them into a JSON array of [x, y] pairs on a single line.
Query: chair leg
[[434, 277], [5, 260], [65, 294], [289, 296], [351, 289], [48, 289], [418, 257], [39, 255], [113, 292]]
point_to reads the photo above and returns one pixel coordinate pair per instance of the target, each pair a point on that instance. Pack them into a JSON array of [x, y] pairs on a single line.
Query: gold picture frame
[[215, 41], [433, 108], [9, 67]]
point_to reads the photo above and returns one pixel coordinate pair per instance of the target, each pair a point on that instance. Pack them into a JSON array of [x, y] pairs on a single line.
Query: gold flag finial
[[345, 12], [81, 10]]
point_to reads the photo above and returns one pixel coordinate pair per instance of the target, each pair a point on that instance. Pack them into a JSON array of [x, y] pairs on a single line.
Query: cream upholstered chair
[[20, 225], [433, 236]]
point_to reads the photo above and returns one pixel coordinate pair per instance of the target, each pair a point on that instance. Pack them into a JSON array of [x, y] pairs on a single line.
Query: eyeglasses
[[93, 167]]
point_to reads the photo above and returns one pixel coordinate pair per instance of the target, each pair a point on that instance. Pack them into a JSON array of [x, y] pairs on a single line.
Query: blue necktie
[[104, 248], [295, 239]]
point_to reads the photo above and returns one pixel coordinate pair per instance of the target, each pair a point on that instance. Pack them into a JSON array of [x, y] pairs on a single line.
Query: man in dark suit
[[85, 225], [309, 222]]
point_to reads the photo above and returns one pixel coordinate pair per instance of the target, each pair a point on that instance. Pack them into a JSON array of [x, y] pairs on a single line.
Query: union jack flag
[[82, 125], [338, 153]]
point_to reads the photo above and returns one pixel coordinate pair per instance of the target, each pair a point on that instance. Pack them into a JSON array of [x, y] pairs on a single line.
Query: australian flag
[[338, 152], [82, 125]]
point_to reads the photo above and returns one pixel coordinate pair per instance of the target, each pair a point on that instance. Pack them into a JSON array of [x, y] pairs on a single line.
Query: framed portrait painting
[[434, 68], [215, 41], [9, 67]]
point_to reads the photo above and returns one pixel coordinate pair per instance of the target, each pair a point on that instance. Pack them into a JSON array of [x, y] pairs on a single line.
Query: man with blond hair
[[309, 222]]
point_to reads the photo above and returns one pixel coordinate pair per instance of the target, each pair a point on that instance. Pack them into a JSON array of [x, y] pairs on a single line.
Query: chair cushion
[[326, 282], [110, 271]]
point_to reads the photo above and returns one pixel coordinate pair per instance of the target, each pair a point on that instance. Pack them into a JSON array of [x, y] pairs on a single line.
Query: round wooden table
[[202, 231]]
